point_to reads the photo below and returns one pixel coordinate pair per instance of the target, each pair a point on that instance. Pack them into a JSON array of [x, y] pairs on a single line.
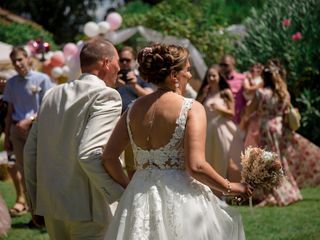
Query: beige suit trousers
[[75, 230]]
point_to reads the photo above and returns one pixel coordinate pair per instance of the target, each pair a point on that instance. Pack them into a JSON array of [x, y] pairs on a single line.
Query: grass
[[19, 230], [295, 222]]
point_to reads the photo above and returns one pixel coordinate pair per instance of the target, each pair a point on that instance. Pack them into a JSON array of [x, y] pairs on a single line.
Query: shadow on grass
[[26, 226], [20, 225], [311, 200]]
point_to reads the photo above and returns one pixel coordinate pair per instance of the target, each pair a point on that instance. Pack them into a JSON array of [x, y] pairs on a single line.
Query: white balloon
[[49, 54], [104, 27], [65, 71], [73, 62], [91, 29], [79, 43], [56, 72]]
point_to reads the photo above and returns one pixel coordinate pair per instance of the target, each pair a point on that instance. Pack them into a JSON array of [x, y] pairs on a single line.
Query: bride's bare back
[[153, 119]]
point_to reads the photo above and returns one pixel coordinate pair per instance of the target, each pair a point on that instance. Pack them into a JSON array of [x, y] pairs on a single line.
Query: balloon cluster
[[61, 63], [37, 47], [113, 22]]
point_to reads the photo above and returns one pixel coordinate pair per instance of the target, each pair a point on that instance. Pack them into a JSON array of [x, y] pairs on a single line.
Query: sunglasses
[[122, 60], [224, 65]]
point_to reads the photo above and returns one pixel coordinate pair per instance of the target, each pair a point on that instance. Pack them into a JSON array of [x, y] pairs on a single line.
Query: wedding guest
[[253, 81], [130, 86], [218, 101], [5, 220], [235, 81], [23, 93], [299, 156], [65, 180], [169, 195], [270, 104]]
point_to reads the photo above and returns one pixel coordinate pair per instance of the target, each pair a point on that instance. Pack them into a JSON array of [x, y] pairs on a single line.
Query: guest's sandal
[[18, 209]]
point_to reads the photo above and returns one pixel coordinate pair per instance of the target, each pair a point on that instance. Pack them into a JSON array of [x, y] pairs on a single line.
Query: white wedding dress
[[163, 202]]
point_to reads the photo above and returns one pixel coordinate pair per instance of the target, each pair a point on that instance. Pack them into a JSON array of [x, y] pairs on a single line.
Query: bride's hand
[[241, 189]]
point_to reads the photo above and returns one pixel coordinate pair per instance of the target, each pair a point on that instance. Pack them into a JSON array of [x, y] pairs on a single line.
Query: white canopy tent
[[5, 50], [150, 35]]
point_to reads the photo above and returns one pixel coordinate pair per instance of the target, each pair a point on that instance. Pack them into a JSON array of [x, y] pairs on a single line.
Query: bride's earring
[[176, 84]]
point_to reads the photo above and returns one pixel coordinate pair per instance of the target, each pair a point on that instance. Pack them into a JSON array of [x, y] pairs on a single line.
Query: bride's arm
[[118, 141], [196, 164]]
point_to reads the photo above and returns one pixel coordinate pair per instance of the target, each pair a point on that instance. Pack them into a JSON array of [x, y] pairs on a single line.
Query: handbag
[[294, 118]]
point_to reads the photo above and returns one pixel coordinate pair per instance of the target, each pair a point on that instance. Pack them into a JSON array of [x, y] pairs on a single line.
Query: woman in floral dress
[[271, 104], [5, 220]]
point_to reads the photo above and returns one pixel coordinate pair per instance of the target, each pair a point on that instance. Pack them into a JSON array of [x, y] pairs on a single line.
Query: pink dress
[[303, 157], [235, 81], [303, 160], [272, 134], [5, 220], [223, 140]]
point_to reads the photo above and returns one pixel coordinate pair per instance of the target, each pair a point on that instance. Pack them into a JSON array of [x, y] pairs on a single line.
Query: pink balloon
[[57, 59], [70, 49], [115, 20], [47, 67], [32, 46]]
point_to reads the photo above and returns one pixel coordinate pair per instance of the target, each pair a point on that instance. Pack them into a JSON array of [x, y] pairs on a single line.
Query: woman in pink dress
[[270, 104], [223, 140], [5, 220]]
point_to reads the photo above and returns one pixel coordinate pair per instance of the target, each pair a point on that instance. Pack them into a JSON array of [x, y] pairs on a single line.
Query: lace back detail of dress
[[171, 155]]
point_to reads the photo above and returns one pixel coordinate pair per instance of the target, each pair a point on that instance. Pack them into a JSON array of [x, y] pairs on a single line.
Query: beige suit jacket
[[62, 157]]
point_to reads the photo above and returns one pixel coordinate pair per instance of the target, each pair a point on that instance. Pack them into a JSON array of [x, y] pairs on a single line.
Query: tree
[[16, 30], [201, 23], [289, 30], [63, 18]]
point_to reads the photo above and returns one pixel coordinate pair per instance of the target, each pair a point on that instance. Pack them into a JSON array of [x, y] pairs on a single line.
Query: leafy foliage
[[275, 32], [61, 17], [309, 105], [20, 34], [236, 11], [268, 38], [199, 21]]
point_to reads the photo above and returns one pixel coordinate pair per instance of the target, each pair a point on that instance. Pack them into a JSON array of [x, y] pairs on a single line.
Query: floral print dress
[[302, 156], [273, 136]]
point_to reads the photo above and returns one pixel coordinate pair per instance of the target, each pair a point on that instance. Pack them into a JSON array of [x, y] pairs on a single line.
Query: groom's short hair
[[95, 50]]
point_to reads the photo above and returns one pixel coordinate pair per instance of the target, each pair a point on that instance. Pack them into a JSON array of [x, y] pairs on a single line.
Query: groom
[[65, 180]]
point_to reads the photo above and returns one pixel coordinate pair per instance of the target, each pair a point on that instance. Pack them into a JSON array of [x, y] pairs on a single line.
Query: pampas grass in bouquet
[[261, 169]]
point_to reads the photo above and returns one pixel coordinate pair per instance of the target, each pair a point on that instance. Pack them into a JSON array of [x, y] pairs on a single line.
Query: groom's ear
[[106, 62]]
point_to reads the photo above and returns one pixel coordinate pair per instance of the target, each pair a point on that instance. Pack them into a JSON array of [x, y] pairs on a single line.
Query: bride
[[169, 196]]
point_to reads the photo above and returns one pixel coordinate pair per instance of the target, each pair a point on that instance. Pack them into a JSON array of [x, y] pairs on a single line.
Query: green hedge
[[20, 34]]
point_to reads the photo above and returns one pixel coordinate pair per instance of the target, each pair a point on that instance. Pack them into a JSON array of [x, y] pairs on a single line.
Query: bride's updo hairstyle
[[158, 61]]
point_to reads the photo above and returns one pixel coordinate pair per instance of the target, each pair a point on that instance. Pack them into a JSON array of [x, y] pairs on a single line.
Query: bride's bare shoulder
[[197, 108]]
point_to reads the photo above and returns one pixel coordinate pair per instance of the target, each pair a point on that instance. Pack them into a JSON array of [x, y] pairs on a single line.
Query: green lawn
[[300, 221]]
